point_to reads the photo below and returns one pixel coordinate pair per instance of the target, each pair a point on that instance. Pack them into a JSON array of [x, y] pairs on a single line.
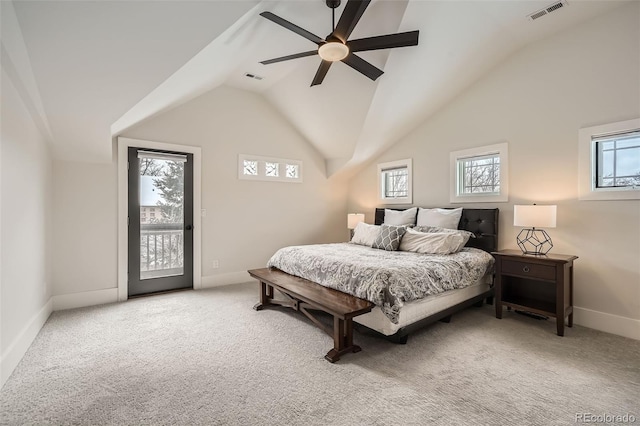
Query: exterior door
[[160, 221]]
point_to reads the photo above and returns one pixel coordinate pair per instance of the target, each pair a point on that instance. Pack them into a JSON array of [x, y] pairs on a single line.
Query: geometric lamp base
[[534, 241]]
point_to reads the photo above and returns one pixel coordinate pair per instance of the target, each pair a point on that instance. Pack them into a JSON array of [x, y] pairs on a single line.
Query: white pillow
[[401, 217], [466, 234], [445, 218], [365, 234], [432, 242]]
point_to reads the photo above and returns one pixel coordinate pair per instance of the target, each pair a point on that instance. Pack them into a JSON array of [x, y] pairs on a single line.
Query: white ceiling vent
[[547, 10]]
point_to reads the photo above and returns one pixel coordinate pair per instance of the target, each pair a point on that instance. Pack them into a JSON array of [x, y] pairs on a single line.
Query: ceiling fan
[[337, 47]]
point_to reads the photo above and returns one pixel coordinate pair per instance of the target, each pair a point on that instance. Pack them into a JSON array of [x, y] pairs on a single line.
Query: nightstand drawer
[[525, 269]]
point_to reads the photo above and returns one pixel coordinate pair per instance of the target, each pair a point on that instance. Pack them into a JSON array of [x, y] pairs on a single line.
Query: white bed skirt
[[415, 311]]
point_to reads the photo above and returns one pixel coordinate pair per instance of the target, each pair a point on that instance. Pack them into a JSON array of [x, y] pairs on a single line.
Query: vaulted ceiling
[[101, 67]]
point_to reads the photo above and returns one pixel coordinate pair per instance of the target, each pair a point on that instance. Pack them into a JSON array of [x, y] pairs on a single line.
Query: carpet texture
[[207, 358]]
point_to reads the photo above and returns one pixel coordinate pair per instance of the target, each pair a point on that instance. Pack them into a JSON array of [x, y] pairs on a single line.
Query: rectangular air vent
[[254, 76], [547, 10]]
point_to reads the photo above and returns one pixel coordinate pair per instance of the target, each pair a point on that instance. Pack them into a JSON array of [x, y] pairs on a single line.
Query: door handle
[[188, 227]]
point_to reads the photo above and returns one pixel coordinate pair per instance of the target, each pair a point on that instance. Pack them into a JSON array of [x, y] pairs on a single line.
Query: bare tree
[[150, 167]]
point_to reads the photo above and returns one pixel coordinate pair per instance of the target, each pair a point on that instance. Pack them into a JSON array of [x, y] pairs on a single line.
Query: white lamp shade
[[534, 216], [353, 219]]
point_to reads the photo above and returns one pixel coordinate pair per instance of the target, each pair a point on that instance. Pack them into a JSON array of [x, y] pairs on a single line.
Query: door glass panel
[[161, 216]]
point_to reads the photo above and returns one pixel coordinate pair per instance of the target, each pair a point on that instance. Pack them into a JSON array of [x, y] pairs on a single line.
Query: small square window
[[394, 182], [271, 169], [250, 168], [293, 171], [609, 159], [617, 160], [479, 174]]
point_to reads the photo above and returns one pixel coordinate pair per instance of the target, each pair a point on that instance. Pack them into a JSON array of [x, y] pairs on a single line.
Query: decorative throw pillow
[[445, 218], [365, 234], [432, 242], [401, 217], [389, 237]]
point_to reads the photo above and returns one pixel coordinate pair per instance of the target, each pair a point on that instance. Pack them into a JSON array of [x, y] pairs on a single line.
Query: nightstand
[[541, 284]]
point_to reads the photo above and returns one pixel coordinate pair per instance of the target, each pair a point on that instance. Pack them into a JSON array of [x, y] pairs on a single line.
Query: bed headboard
[[482, 222]]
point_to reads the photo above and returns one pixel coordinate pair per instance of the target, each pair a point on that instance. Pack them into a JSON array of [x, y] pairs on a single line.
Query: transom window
[[618, 160], [293, 171], [394, 182], [271, 169], [253, 167], [250, 167], [479, 174]]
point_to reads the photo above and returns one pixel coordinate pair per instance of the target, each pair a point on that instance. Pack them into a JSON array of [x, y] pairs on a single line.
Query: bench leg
[[266, 295], [342, 339]]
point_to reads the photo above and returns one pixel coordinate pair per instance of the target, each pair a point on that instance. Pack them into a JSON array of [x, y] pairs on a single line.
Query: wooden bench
[[303, 295]]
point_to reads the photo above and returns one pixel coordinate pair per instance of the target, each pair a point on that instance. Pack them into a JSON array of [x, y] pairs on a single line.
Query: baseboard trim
[[225, 279], [16, 350], [85, 298], [614, 324]]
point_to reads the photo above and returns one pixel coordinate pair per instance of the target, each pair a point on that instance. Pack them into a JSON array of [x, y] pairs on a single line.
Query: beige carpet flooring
[[207, 358]]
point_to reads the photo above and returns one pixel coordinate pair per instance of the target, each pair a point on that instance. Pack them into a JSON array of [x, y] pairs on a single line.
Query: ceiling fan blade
[[292, 27], [350, 16], [321, 73], [359, 64], [388, 41], [289, 57]]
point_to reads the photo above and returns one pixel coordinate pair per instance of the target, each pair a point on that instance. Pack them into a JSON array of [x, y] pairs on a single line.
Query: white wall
[[536, 101], [246, 221], [85, 216], [25, 283]]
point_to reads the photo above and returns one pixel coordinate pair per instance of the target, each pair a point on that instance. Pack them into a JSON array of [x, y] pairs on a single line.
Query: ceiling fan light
[[333, 51]]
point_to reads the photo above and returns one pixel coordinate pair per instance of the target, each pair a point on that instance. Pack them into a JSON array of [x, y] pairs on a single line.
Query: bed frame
[[484, 225], [304, 296]]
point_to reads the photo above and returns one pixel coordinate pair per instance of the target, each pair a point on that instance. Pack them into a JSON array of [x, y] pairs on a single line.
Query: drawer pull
[[525, 269]]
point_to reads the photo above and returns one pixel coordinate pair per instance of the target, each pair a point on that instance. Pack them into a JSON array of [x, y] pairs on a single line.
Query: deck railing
[[161, 249]]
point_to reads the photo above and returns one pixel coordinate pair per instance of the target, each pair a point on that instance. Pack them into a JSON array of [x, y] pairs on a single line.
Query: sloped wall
[[246, 221], [536, 101]]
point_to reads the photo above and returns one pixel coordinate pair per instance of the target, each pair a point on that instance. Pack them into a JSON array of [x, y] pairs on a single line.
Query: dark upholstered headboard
[[482, 222]]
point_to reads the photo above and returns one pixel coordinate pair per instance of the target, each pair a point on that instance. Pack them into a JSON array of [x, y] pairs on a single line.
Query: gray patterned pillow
[[389, 237]]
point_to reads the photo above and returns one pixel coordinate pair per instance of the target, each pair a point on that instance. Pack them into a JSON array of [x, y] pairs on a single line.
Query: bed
[[456, 281]]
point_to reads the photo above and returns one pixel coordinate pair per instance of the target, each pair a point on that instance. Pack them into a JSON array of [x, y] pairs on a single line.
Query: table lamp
[[532, 240], [353, 219]]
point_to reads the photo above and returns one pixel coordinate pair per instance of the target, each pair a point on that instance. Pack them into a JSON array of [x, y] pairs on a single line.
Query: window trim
[[398, 164], [587, 187], [262, 175], [502, 150]]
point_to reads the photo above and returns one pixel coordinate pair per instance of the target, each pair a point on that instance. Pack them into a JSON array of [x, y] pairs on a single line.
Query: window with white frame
[[394, 182], [250, 167], [479, 174], [253, 167], [609, 157]]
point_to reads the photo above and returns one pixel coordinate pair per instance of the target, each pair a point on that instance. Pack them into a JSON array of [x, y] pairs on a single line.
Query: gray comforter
[[386, 278]]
